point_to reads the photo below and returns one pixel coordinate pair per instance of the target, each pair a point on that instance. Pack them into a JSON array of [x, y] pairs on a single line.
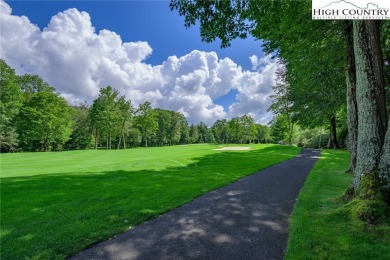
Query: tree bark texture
[[384, 166], [320, 143], [333, 133], [350, 73], [119, 143], [121, 135], [371, 101]]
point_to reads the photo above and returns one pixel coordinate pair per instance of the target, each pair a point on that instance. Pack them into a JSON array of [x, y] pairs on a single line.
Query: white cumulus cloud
[[77, 60], [255, 90]]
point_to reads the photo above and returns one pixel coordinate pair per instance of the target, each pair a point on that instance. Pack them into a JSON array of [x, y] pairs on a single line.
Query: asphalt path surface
[[247, 219]]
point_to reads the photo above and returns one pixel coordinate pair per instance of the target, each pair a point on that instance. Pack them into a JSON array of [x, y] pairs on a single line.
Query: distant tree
[[44, 122], [11, 100], [105, 115], [164, 118], [203, 131], [263, 134], [194, 133], [279, 128], [221, 131], [184, 130], [31, 84], [282, 102], [210, 138], [146, 120], [125, 112], [235, 130], [134, 137], [248, 128], [174, 133], [81, 137]]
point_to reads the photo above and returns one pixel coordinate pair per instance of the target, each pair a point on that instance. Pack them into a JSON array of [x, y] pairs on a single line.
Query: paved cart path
[[247, 219]]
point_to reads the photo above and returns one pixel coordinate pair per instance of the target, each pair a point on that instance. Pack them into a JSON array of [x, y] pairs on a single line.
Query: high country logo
[[351, 9]]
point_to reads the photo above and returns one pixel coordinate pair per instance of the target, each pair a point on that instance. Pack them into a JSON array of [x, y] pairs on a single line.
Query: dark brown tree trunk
[[333, 133], [371, 104], [350, 75]]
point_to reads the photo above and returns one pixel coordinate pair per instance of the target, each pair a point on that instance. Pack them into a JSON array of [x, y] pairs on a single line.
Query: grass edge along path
[[68, 207], [322, 226]]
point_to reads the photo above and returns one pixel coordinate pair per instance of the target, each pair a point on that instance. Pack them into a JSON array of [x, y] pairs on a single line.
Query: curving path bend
[[247, 219]]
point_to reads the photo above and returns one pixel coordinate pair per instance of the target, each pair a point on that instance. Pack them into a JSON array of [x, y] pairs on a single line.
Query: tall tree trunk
[[121, 134], [320, 142], [45, 142], [119, 143], [124, 140], [333, 133], [350, 75], [291, 133], [146, 141], [96, 139], [371, 104]]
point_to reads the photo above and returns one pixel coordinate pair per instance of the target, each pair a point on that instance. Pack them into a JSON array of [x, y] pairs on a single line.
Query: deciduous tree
[[106, 115], [10, 102], [146, 120], [288, 31], [44, 122], [81, 137]]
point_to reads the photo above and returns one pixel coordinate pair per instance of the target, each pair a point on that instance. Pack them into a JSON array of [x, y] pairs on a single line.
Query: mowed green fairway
[[55, 204]]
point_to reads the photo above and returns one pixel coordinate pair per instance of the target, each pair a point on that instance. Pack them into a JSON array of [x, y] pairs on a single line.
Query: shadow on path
[[247, 219]]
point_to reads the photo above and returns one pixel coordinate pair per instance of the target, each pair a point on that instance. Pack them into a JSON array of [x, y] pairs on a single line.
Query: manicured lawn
[[55, 204], [322, 226]]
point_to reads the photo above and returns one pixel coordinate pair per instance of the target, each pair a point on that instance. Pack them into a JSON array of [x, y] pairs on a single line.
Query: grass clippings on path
[[322, 226], [56, 204]]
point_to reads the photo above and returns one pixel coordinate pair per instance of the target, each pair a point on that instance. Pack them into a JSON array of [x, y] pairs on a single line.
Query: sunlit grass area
[[322, 225], [55, 204]]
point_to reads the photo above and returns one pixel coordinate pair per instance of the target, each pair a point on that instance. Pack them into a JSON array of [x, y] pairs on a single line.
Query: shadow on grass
[[48, 216]]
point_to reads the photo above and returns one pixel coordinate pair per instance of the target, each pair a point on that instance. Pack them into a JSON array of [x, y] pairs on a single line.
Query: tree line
[[36, 118]]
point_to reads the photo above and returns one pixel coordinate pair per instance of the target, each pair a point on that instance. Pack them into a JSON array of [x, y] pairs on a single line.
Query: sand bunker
[[233, 148]]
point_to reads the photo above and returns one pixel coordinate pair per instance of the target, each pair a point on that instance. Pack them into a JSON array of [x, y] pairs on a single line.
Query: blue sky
[[149, 25], [150, 21]]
